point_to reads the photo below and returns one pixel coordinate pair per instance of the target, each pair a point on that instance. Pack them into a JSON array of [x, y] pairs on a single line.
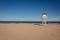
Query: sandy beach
[[29, 32]]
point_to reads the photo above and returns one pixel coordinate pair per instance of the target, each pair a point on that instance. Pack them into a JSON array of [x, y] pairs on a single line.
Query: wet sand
[[29, 32]]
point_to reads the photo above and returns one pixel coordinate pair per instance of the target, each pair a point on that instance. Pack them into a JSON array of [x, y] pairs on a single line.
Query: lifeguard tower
[[44, 18]]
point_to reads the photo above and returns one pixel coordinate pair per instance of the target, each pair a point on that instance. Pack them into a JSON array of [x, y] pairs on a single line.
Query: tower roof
[[44, 14]]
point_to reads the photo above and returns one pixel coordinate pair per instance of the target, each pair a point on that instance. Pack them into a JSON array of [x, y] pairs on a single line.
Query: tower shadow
[[38, 24]]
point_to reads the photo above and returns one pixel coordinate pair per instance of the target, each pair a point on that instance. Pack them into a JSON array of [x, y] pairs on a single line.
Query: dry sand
[[29, 32]]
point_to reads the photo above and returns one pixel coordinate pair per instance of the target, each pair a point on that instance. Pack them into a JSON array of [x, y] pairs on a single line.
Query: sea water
[[28, 22]]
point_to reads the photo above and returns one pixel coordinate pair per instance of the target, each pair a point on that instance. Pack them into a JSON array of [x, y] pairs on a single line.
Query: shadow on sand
[[38, 24]]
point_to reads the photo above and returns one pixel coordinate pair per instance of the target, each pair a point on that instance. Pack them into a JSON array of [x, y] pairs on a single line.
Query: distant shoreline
[[29, 22]]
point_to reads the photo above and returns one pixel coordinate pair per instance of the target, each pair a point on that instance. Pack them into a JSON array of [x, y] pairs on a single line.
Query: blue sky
[[29, 10]]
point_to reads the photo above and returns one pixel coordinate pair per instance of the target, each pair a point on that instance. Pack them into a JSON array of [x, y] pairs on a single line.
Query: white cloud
[[54, 19], [17, 19], [28, 19]]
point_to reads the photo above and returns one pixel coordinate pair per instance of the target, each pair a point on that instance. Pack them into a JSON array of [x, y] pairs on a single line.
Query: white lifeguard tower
[[44, 18]]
